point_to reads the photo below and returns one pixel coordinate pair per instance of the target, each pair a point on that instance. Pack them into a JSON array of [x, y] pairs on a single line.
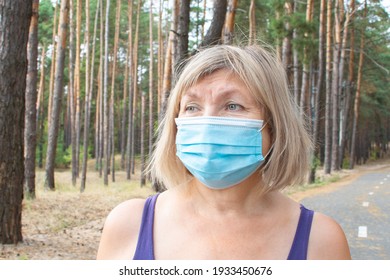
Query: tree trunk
[[335, 86], [357, 96], [182, 32], [321, 46], [142, 140], [305, 95], [41, 87], [175, 29], [57, 96], [101, 117], [252, 23], [124, 109], [349, 85], [203, 19], [89, 90], [328, 102], [167, 73], [106, 160], [30, 132], [228, 33], [166, 89], [317, 91], [151, 99], [53, 65], [135, 85], [77, 89], [97, 124], [296, 62], [113, 77], [124, 115], [286, 47], [278, 48], [130, 88], [71, 93], [101, 90], [40, 109], [14, 25], [167, 78], [213, 35], [343, 90], [112, 140], [67, 124], [160, 64]]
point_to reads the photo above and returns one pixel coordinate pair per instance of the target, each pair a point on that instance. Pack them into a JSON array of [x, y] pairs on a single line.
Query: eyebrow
[[190, 94], [226, 92]]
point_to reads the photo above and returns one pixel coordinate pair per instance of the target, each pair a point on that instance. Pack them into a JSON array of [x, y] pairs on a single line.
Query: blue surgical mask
[[220, 152]]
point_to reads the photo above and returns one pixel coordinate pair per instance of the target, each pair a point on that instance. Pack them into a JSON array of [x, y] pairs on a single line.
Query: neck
[[245, 198]]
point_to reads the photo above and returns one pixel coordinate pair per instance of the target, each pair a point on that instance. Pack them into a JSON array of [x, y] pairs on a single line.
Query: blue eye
[[233, 107]]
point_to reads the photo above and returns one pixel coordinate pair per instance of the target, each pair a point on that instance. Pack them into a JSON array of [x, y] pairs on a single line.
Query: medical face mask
[[220, 152]]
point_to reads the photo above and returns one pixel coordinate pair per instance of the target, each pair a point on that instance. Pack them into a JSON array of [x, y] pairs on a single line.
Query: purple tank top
[[145, 246]]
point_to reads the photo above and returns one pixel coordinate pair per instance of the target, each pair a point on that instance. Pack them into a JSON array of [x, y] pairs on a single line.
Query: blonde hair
[[266, 80]]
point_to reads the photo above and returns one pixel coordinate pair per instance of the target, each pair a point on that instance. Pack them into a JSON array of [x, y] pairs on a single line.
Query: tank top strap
[[300, 244], [145, 246]]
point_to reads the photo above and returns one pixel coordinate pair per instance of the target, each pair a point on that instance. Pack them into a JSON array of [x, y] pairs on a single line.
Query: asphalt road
[[362, 208]]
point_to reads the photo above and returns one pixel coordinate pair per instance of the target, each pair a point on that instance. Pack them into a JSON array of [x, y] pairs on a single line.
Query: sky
[[386, 4]]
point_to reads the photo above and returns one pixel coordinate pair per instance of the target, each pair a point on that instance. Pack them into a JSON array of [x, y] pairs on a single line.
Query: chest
[[198, 238]]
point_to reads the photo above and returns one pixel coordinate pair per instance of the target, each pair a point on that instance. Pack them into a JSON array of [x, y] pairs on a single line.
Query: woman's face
[[223, 94]]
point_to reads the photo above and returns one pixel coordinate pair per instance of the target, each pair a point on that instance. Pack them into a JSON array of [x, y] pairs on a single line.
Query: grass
[[66, 207], [321, 180]]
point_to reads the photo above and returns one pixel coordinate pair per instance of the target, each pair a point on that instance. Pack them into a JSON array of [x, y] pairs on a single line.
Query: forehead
[[221, 81]]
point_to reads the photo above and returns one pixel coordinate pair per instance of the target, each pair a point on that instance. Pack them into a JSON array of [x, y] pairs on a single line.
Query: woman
[[231, 140]]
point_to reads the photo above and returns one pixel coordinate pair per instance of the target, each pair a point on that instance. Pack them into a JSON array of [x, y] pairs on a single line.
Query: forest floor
[[66, 225]]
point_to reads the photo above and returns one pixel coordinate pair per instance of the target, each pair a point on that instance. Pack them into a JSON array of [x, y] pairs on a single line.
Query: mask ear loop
[[264, 166], [272, 146]]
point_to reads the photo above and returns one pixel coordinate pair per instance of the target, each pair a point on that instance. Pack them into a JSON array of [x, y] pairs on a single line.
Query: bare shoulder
[[120, 232], [327, 240]]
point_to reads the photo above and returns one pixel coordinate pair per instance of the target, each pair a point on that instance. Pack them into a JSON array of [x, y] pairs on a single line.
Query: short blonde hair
[[264, 75]]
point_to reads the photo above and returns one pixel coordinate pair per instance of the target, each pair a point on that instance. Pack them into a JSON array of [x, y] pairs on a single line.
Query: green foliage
[[63, 156], [263, 9], [196, 22], [306, 34], [315, 162], [45, 22], [22, 257], [375, 98], [346, 163]]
